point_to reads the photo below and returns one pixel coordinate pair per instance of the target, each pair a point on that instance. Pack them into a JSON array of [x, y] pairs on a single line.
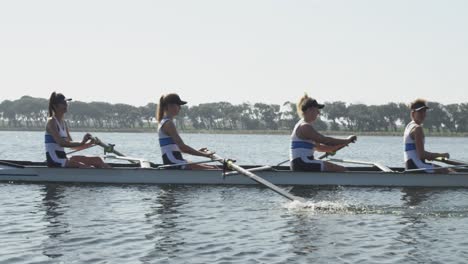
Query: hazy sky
[[369, 51]]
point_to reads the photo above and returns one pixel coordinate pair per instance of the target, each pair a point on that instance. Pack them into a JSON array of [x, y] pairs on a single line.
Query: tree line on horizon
[[31, 113]]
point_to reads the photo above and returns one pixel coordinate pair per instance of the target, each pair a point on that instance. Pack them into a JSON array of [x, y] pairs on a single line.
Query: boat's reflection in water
[[57, 224], [162, 215]]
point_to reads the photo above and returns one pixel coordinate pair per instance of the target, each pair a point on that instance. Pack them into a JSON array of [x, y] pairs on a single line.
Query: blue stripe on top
[[410, 146], [50, 139], [302, 144], [166, 141]]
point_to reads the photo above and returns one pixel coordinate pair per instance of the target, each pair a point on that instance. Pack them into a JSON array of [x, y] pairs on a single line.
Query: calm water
[[220, 224]]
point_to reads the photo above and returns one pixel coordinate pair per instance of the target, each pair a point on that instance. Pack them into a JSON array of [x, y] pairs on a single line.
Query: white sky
[[368, 51]]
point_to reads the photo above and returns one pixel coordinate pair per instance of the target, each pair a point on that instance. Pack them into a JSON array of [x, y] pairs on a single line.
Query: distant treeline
[[31, 113]]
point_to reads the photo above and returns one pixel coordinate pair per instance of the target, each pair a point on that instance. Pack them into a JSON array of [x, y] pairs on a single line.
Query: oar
[[438, 168], [327, 154], [86, 146], [324, 155], [451, 161], [376, 164], [230, 164], [109, 148], [184, 164], [262, 168]]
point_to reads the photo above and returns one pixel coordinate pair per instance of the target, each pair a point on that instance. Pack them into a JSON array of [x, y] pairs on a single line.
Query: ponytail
[[301, 104], [160, 109], [51, 104]]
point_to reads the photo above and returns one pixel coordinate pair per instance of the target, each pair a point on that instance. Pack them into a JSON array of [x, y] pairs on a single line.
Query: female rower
[[170, 142], [57, 137], [414, 139], [305, 140]]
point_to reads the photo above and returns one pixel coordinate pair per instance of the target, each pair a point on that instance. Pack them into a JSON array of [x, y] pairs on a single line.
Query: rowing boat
[[26, 171]]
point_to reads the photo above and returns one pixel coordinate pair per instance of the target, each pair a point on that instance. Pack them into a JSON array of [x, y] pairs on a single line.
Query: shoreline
[[241, 132]]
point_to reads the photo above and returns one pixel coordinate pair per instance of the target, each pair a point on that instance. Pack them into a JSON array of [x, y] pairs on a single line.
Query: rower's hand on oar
[[440, 157], [207, 153], [86, 138]]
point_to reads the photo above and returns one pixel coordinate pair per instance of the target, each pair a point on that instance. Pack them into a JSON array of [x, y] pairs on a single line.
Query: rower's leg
[[76, 163], [328, 166], [95, 162]]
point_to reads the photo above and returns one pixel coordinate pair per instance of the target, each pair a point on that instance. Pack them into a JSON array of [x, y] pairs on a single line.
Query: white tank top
[[410, 146], [50, 145], [166, 142], [301, 148]]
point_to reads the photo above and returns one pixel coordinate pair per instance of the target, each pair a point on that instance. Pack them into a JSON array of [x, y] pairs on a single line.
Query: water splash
[[319, 207], [342, 207]]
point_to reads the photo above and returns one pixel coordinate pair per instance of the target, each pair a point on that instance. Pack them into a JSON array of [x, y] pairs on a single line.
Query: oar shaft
[[107, 147], [438, 168], [184, 164], [262, 181], [376, 164], [263, 168], [451, 161], [259, 180], [77, 150], [327, 154]]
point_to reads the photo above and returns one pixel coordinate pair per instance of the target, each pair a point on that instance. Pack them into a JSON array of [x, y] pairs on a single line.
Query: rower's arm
[[328, 148], [52, 130], [84, 143], [170, 129], [68, 132], [418, 135], [308, 132]]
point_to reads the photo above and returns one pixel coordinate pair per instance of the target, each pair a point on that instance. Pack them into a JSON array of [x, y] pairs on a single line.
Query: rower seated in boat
[[305, 140], [57, 137], [170, 141], [414, 140]]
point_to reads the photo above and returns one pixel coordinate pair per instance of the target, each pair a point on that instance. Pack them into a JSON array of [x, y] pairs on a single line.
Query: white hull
[[282, 177]]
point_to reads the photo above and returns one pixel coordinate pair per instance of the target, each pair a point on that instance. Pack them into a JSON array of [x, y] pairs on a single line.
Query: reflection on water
[[163, 216], [416, 196], [57, 225], [173, 224], [414, 225]]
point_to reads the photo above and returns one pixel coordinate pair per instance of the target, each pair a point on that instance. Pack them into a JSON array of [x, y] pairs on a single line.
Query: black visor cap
[[173, 99], [60, 98], [419, 106], [312, 103]]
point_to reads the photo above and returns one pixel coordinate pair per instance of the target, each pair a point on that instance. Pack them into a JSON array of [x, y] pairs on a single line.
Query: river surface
[[86, 223]]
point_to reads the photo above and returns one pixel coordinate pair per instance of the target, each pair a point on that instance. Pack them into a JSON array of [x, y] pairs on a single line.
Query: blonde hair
[[300, 105]]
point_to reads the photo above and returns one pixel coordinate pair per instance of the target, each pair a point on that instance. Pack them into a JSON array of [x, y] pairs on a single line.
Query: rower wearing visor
[[414, 139], [57, 138], [305, 140], [170, 141]]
